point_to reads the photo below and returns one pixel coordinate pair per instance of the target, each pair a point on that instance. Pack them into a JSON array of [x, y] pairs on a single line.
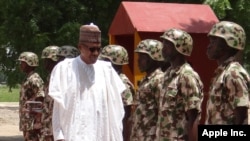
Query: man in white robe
[[87, 94]]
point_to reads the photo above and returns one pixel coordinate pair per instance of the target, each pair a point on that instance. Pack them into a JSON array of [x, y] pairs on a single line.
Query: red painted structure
[[135, 21]]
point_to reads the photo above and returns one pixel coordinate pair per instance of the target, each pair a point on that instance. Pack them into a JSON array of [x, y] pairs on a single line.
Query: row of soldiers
[[35, 106], [167, 103]]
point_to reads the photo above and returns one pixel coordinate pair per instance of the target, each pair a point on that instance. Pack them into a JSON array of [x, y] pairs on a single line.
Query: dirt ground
[[9, 120]]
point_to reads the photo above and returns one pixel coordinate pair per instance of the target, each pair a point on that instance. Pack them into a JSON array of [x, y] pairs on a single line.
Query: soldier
[[144, 119], [229, 91], [49, 55], [31, 97], [67, 51], [118, 56], [181, 95]]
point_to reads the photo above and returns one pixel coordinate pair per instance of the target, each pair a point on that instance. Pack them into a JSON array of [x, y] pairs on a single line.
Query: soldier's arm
[[192, 124], [193, 98], [238, 89]]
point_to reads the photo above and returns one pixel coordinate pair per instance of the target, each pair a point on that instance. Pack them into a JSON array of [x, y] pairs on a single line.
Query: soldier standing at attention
[[229, 91], [182, 91], [49, 56], [145, 117], [31, 97], [118, 56]]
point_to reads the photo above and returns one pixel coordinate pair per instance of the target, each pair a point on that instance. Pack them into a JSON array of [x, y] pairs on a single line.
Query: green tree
[[237, 11], [32, 25]]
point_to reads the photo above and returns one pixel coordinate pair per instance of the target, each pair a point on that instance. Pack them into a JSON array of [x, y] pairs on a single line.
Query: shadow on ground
[[10, 108], [11, 138]]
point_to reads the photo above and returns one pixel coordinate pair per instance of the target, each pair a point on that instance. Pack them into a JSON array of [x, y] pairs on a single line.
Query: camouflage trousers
[[32, 135], [144, 138], [47, 138]]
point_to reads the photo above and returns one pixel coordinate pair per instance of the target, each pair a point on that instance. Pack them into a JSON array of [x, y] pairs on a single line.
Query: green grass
[[6, 96]]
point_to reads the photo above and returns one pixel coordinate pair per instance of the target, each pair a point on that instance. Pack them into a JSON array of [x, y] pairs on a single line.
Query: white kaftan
[[87, 101]]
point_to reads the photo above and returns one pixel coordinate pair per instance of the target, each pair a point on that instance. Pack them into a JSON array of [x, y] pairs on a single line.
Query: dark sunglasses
[[93, 49]]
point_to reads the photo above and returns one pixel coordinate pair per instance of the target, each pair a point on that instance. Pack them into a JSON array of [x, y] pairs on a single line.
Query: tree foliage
[[32, 25], [237, 11], [219, 6]]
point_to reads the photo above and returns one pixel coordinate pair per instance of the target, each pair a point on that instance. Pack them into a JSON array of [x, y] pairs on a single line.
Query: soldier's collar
[[224, 65]]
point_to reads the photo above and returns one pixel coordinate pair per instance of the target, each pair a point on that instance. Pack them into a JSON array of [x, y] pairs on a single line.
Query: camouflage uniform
[[146, 113], [68, 51], [49, 52], [230, 85], [229, 90], [47, 134], [182, 91], [128, 94], [144, 119], [31, 90], [118, 56]]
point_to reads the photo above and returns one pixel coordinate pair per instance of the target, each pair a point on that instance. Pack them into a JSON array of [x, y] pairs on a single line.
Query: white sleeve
[[117, 83], [55, 91], [57, 131], [116, 108], [58, 82]]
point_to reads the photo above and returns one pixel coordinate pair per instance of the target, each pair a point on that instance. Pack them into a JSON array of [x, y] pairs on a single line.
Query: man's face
[[143, 62], [214, 49], [23, 65], [89, 52], [168, 51]]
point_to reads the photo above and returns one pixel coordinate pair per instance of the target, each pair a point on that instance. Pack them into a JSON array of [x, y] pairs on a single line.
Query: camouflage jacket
[[129, 93], [31, 90], [145, 117], [229, 89], [47, 111], [182, 91]]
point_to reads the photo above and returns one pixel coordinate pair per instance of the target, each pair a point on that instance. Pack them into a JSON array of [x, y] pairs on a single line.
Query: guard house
[[136, 21]]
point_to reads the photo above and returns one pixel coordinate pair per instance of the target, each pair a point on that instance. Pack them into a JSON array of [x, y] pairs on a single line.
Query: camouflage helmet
[[151, 47], [30, 58], [232, 33], [182, 41], [50, 52], [68, 51], [115, 53]]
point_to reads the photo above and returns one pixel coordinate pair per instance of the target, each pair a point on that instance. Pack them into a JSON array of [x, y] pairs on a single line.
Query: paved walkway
[[9, 104], [10, 132]]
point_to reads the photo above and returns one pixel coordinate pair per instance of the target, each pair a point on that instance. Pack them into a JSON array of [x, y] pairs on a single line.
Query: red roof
[[158, 17]]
